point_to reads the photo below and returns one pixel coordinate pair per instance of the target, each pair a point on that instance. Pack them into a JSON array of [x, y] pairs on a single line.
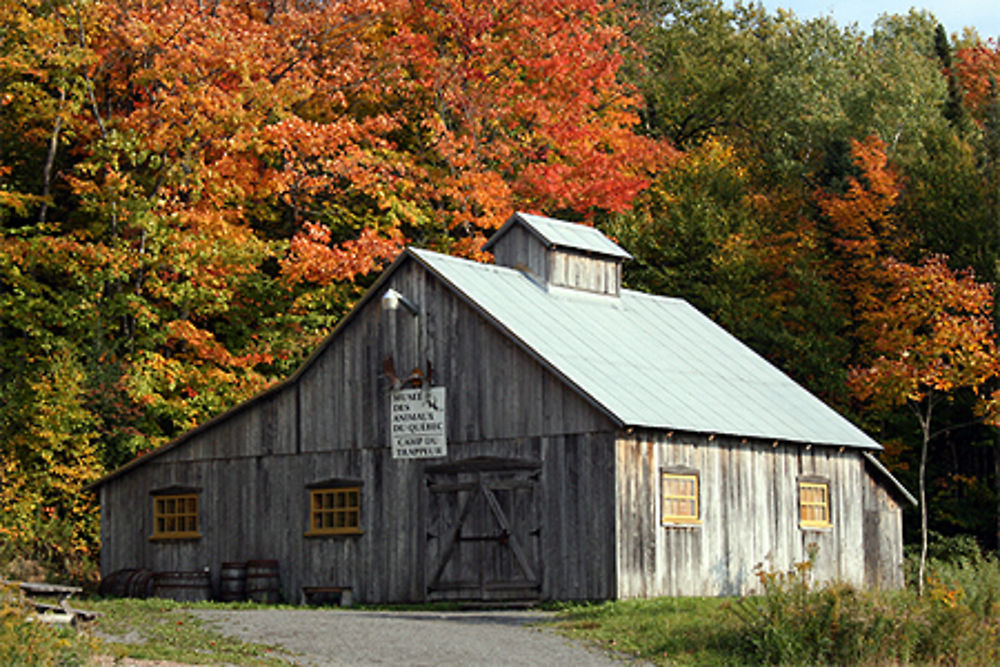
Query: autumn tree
[[192, 193], [931, 337], [786, 90], [704, 232], [862, 225], [977, 67]]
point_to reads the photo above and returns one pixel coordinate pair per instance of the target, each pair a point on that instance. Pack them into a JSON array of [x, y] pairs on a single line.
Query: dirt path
[[332, 637]]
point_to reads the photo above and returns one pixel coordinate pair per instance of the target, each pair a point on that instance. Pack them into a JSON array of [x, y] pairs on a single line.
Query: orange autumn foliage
[[312, 259], [978, 70], [863, 228], [521, 105], [933, 333], [439, 119]]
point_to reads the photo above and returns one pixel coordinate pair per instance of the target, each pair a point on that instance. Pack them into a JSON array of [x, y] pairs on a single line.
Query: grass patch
[[156, 629], [666, 631]]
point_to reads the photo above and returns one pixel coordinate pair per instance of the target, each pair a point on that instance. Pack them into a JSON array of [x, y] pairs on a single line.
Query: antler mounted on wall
[[416, 378]]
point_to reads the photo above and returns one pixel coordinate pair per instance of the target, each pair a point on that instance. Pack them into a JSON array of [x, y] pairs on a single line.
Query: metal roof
[[562, 234], [648, 361]]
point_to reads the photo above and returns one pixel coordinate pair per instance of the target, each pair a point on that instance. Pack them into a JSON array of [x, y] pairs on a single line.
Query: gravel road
[[334, 637]]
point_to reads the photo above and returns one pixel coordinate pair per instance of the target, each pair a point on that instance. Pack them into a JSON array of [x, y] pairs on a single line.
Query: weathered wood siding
[[585, 272], [519, 248], [749, 517], [883, 534], [253, 467]]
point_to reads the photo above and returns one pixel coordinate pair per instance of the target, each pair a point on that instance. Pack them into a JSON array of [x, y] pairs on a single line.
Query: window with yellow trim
[[814, 504], [175, 516], [335, 511], [680, 498]]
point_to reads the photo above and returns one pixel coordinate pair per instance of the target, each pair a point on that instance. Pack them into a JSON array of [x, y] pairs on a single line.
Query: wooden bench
[[53, 613], [327, 595]]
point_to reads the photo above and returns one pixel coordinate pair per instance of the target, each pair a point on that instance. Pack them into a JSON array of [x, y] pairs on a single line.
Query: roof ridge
[[556, 233]]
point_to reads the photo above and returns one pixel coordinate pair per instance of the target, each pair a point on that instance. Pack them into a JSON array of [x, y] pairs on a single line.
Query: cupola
[[559, 253]]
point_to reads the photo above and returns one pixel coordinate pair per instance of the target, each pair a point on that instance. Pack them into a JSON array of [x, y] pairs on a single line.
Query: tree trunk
[[996, 485], [51, 158], [925, 428], [923, 519]]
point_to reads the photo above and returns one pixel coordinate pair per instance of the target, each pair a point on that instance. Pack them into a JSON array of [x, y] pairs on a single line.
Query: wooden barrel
[[233, 582], [183, 586], [140, 584], [263, 582], [116, 583]]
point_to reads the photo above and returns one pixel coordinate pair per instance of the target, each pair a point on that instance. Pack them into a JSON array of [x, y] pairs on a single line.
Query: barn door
[[483, 530]]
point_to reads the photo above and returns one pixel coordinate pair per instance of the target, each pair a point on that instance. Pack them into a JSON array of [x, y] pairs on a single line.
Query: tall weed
[[794, 622], [959, 563]]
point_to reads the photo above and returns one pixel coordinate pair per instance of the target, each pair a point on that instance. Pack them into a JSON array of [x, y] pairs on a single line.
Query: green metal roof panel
[[562, 234], [648, 361]]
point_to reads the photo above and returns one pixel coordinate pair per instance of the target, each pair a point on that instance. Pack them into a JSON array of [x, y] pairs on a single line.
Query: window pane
[[175, 515], [335, 510], [814, 503], [680, 496]]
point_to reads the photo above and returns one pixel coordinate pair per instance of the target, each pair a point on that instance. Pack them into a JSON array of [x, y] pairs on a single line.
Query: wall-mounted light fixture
[[392, 300]]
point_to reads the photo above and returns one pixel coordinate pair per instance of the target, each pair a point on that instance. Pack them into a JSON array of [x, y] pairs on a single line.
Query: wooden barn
[[523, 430]]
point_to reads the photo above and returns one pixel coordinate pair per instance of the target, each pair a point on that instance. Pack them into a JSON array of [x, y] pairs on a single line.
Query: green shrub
[[46, 548]]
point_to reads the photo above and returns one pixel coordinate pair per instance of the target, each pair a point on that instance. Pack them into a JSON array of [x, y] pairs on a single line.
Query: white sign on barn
[[417, 423]]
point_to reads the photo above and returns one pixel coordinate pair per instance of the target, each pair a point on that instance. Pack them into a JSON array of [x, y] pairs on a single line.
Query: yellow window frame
[[680, 498], [814, 505], [175, 516], [335, 511]]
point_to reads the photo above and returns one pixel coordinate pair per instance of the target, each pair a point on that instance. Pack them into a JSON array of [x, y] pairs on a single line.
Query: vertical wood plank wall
[[749, 517], [253, 467], [579, 271], [519, 248], [883, 531]]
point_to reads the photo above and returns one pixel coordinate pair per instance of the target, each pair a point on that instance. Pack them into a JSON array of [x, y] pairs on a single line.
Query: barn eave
[[894, 484], [290, 382]]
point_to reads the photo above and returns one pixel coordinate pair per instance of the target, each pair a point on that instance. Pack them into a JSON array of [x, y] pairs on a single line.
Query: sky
[[984, 15]]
